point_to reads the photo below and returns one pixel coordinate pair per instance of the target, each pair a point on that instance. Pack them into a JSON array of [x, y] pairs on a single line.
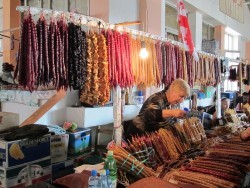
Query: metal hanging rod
[[84, 20], [96, 22]]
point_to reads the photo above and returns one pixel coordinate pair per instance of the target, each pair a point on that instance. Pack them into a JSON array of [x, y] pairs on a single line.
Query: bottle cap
[[93, 173], [140, 93], [107, 172], [110, 153], [186, 109]]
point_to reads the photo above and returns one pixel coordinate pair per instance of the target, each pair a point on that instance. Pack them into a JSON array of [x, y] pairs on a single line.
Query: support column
[[195, 24], [219, 35], [247, 52], [11, 19]]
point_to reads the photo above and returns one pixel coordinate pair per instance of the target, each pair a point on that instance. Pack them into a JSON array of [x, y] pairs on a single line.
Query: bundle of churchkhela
[[130, 164], [223, 165], [181, 154], [156, 148]]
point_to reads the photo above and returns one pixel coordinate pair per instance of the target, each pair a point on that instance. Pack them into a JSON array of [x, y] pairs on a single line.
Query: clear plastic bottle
[[103, 180], [110, 164], [93, 180], [109, 181]]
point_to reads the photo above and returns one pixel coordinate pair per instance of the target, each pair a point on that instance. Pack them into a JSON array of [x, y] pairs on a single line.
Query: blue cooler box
[[229, 95], [79, 141]]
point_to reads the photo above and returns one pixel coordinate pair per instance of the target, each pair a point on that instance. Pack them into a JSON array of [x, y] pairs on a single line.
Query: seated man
[[225, 103]]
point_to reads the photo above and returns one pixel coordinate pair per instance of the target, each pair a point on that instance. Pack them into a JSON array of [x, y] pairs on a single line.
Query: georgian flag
[[184, 30]]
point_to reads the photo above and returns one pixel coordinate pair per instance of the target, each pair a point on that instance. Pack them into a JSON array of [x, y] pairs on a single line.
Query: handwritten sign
[[233, 8]]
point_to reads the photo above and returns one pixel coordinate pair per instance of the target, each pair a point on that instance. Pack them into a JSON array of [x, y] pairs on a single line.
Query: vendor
[[225, 103], [156, 111]]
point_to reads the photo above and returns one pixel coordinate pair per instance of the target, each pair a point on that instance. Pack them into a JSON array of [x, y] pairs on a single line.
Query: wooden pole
[[128, 23], [44, 108], [117, 114]]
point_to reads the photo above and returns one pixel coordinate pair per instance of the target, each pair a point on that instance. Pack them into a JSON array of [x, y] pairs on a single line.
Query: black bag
[[31, 131]]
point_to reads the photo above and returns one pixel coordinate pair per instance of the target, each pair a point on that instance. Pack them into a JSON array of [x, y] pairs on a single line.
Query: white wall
[[123, 11], [56, 115], [211, 8]]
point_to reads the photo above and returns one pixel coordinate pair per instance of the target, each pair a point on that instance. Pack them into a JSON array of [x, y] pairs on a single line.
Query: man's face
[[176, 97], [225, 104]]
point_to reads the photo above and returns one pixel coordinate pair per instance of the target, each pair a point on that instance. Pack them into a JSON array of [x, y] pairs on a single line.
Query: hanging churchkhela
[[43, 56], [56, 55], [96, 90], [27, 64], [76, 56]]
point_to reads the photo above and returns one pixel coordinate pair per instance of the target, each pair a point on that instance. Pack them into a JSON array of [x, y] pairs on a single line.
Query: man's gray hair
[[180, 85]]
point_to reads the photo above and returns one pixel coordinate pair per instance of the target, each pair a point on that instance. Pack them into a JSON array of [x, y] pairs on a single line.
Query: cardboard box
[[40, 171], [14, 177], [24, 175], [21, 152], [8, 119], [62, 169], [59, 148], [79, 141]]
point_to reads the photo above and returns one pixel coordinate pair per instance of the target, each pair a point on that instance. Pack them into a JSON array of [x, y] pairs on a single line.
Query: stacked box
[[8, 119], [62, 169], [20, 152], [24, 162], [79, 141], [24, 175], [59, 148], [40, 171], [14, 177]]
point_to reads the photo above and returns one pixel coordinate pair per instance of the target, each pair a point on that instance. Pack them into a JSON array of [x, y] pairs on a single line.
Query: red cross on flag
[[184, 30]]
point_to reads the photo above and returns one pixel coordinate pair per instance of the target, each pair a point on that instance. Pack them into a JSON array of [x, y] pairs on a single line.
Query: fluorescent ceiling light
[[231, 31]]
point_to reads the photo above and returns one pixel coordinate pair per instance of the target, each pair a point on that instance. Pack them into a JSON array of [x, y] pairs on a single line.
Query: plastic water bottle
[[140, 97], [103, 183], [110, 164], [109, 181], [93, 179]]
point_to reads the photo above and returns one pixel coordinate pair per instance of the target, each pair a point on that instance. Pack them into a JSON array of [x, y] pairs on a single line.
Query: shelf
[[90, 117]]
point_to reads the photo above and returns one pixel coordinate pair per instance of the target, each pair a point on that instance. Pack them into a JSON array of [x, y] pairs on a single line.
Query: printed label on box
[[79, 142], [59, 147], [24, 151]]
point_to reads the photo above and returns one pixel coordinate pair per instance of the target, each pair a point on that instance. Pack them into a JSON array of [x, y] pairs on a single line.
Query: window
[[207, 31], [231, 47], [230, 86], [171, 21], [231, 43]]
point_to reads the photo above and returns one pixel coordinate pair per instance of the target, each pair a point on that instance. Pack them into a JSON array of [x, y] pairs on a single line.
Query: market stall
[[71, 51]]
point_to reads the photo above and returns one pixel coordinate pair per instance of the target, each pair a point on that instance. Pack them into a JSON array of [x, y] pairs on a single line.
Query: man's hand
[[178, 113], [245, 135]]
